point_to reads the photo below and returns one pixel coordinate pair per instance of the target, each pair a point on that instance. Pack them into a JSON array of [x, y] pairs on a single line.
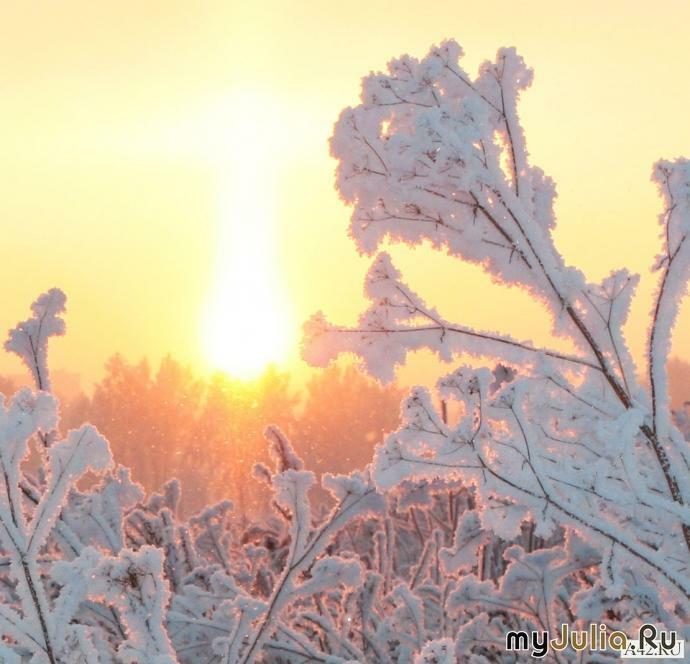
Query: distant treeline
[[168, 422]]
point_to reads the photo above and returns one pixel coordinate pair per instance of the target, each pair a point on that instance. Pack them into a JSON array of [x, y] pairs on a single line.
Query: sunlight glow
[[247, 323]]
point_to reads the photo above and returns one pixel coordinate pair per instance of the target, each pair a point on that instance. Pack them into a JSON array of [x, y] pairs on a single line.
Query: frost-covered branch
[[355, 496], [44, 516], [29, 340], [560, 441]]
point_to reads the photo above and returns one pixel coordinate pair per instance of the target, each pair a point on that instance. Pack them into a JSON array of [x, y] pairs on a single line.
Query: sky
[[166, 164]]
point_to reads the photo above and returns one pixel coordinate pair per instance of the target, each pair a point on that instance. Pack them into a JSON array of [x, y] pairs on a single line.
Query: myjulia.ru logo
[[651, 642]]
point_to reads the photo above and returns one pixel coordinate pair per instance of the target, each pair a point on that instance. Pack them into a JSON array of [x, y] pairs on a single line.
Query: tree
[[7, 385], [170, 423], [679, 383], [571, 441], [148, 417], [231, 425], [344, 415]]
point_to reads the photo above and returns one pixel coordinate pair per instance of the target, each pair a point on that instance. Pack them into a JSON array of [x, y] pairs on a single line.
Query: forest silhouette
[[167, 422]]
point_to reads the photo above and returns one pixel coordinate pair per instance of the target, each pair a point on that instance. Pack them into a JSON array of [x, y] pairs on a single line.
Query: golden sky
[[125, 130]]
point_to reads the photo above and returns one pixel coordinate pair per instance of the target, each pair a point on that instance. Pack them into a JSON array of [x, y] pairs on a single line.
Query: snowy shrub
[[572, 446], [71, 591]]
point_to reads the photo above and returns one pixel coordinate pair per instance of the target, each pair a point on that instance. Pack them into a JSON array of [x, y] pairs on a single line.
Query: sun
[[246, 324], [245, 327]]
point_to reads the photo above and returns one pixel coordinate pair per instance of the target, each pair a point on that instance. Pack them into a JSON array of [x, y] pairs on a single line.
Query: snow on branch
[[673, 264], [29, 340]]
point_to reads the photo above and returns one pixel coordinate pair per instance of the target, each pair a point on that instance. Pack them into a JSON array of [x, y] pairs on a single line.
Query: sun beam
[[246, 324]]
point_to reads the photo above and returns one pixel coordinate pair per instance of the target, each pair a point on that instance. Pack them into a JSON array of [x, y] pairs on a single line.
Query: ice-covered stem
[[213, 536], [281, 451], [25, 415], [29, 340], [673, 180], [134, 583], [399, 320], [355, 495]]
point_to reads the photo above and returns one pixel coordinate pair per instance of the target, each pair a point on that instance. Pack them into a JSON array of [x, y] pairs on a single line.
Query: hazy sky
[[147, 147]]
